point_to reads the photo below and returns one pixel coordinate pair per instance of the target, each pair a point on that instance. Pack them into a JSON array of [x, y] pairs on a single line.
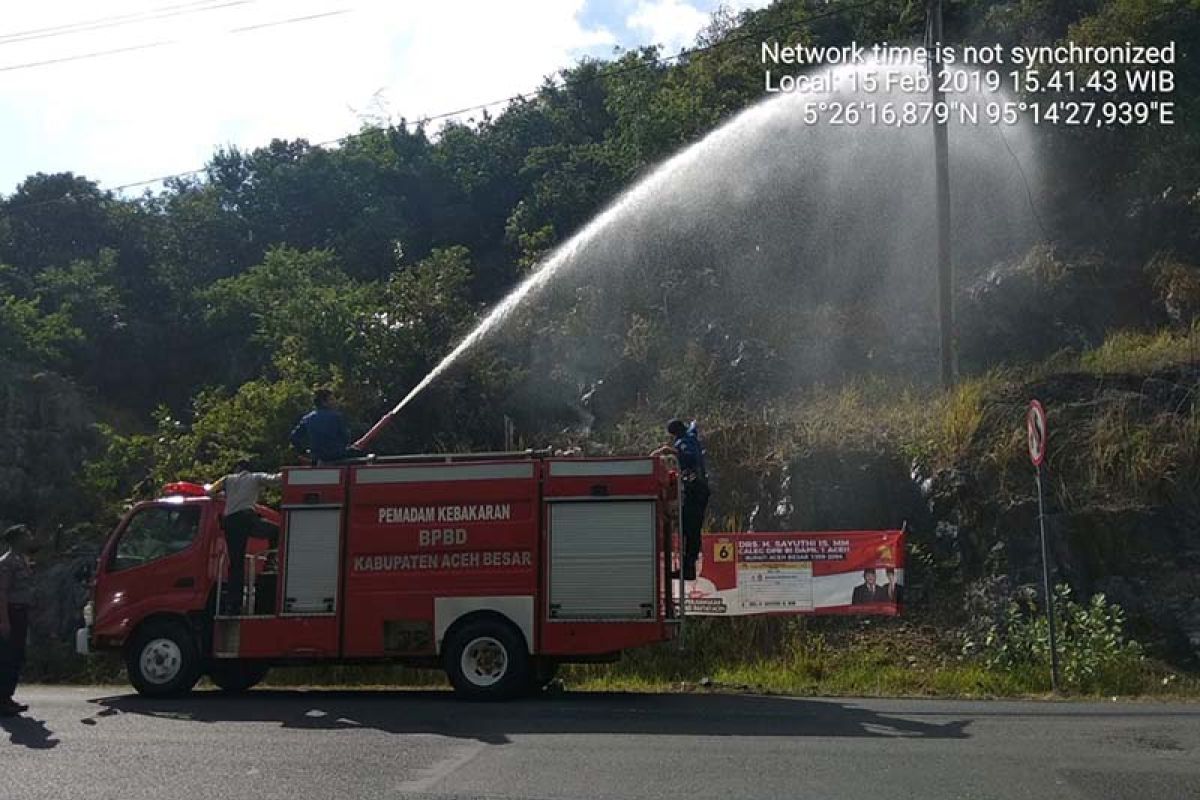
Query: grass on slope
[[845, 657], [1140, 353]]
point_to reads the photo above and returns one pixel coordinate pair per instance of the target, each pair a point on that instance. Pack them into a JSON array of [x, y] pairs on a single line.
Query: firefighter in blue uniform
[[322, 432], [687, 447]]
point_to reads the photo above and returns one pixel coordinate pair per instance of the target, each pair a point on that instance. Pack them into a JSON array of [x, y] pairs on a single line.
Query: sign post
[[1035, 426]]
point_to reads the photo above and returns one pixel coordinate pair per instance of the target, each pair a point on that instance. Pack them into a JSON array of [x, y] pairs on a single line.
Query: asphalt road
[[294, 745]]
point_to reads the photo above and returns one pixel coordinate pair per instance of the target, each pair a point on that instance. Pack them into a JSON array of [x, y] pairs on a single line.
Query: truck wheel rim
[[484, 661], [161, 661]]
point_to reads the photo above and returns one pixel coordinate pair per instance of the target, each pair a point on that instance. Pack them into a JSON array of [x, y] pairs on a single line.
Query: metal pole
[[1046, 588], [250, 590], [220, 583], [941, 159], [682, 549]]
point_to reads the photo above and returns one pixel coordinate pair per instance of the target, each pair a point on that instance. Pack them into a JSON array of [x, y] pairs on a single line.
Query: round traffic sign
[[1035, 426]]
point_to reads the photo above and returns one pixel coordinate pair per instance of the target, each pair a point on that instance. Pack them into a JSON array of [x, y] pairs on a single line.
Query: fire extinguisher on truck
[[494, 567]]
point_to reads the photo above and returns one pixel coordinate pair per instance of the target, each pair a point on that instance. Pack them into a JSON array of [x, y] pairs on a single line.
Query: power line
[[165, 42], [84, 56], [603, 75], [179, 9], [152, 181], [305, 18], [80, 23], [1033, 207]]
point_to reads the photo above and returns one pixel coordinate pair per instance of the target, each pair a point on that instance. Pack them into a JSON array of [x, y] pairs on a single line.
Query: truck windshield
[[155, 532]]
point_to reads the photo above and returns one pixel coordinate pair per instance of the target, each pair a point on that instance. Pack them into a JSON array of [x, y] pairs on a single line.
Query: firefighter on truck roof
[[322, 432]]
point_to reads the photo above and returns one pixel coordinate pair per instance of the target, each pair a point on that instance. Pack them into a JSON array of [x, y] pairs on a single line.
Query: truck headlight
[[89, 613]]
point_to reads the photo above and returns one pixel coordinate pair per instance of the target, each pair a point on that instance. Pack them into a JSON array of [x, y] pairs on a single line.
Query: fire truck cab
[[496, 568]]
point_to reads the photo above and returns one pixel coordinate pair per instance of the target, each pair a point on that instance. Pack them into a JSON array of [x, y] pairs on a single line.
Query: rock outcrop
[[974, 543], [46, 435]]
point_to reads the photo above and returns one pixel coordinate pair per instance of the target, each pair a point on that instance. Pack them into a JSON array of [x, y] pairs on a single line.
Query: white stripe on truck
[[449, 472], [518, 609], [314, 477], [569, 469]]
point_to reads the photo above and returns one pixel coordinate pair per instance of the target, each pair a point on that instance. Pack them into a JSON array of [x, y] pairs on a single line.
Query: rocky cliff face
[[1113, 526], [45, 435], [62, 589]]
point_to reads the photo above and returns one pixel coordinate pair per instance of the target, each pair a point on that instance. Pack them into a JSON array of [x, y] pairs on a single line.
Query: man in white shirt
[[241, 488]]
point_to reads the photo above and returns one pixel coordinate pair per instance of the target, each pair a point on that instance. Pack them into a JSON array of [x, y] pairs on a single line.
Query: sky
[[188, 76]]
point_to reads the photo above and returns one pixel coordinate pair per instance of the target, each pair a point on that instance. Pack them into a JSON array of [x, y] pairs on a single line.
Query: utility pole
[[941, 158]]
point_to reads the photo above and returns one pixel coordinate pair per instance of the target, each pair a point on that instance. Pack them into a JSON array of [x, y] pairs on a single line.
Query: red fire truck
[[496, 568]]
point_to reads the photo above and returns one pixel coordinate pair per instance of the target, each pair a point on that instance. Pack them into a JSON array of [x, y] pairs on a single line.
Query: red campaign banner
[[827, 572]]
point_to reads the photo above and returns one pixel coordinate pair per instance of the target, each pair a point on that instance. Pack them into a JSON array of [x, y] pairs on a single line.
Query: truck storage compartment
[[311, 564], [602, 559]]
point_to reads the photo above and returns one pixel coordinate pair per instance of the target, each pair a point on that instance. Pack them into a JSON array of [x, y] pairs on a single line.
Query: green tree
[[296, 311], [31, 337]]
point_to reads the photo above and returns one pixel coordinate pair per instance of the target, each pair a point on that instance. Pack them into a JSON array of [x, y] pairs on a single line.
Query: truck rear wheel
[[162, 660], [233, 677], [487, 660]]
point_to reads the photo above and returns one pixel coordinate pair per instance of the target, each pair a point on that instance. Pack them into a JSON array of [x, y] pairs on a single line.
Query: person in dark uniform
[[322, 432], [694, 478], [16, 596]]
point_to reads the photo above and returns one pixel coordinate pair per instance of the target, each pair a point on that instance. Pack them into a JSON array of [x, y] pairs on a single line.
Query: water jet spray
[[791, 212]]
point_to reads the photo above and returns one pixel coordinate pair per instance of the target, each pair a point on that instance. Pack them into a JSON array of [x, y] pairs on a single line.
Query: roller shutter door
[[313, 537], [602, 559]]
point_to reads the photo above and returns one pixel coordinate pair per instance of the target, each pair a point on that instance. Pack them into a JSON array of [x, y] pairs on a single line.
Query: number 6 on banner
[[723, 552]]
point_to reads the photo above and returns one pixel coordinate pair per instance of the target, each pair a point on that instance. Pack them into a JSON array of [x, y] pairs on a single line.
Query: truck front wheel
[[487, 660], [162, 660], [233, 677]]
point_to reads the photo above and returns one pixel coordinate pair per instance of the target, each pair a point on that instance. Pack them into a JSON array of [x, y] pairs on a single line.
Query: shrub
[[1093, 652]]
